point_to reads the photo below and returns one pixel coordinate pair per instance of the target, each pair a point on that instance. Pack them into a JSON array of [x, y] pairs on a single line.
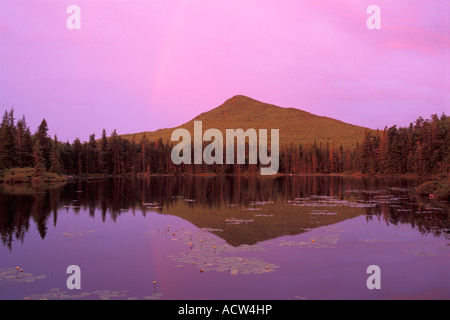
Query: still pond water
[[290, 237]]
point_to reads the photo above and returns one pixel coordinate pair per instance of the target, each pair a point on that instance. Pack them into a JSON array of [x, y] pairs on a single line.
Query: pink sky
[[140, 65]]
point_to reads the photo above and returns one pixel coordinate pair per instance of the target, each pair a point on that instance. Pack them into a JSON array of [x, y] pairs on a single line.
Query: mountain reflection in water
[[240, 210]]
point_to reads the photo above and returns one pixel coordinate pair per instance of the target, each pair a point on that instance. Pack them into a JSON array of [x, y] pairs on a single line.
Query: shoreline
[[433, 186], [26, 175]]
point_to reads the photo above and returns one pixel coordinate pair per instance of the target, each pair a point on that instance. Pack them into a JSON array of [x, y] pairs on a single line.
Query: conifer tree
[[67, 158], [55, 157], [45, 141], [92, 155], [9, 156], [114, 151], [78, 156], [3, 142], [24, 143], [105, 160], [142, 155], [39, 161]]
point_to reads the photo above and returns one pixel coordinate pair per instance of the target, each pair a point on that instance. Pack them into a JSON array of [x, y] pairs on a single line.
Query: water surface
[[289, 237]]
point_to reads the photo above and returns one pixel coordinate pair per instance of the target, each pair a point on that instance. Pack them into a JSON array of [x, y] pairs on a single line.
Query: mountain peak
[[242, 110], [239, 101], [239, 97]]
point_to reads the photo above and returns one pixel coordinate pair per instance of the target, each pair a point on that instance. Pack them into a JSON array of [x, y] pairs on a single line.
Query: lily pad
[[238, 221], [207, 256], [77, 234], [13, 275], [316, 242]]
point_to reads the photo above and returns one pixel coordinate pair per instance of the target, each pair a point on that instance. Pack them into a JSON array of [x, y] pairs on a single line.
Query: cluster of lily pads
[[212, 254], [329, 201], [17, 275], [76, 234], [57, 294], [152, 205], [321, 241], [238, 221]]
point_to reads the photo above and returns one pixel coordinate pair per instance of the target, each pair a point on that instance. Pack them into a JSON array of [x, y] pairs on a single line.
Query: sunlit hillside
[[296, 126]]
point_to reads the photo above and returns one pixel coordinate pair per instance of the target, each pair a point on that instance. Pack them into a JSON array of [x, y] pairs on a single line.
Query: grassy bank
[[28, 175], [437, 189]]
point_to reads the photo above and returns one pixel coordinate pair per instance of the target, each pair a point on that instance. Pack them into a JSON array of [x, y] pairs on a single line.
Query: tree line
[[422, 148]]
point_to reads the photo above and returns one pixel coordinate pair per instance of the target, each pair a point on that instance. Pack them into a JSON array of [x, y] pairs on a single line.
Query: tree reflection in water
[[240, 209]]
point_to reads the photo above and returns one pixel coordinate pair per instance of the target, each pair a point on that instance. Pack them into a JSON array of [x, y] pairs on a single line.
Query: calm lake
[[288, 237]]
